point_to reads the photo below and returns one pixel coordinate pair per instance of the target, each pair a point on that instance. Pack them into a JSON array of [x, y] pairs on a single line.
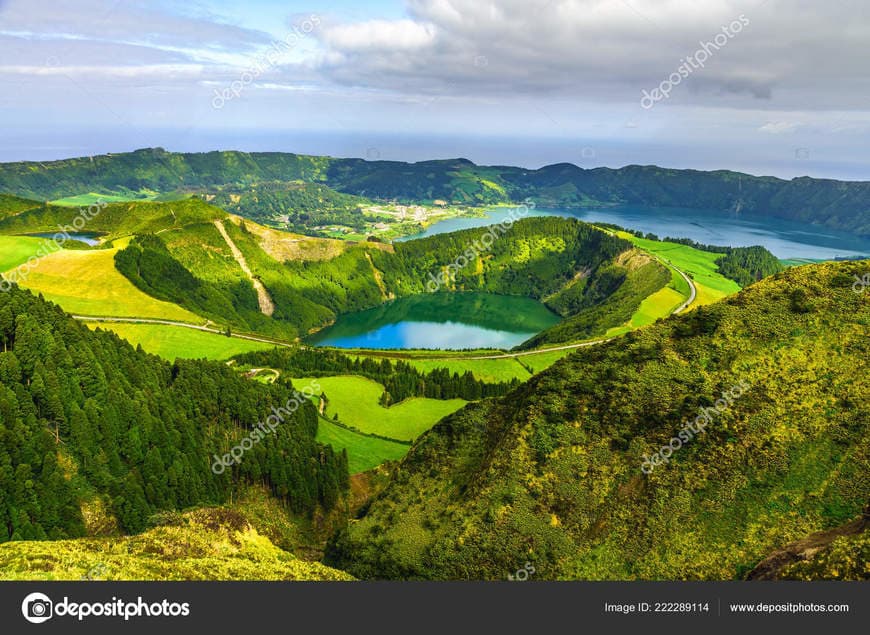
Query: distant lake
[[441, 320], [84, 237], [785, 239]]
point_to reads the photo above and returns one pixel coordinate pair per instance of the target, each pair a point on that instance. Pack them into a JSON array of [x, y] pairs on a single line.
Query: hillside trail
[[267, 307]]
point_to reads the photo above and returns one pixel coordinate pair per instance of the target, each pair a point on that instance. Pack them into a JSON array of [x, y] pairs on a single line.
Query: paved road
[[693, 291]]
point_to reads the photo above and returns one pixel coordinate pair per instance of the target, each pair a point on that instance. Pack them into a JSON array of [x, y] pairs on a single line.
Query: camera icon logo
[[37, 608]]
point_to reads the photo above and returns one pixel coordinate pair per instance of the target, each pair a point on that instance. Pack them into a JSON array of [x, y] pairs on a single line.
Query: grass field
[[355, 401], [659, 305], [363, 452], [698, 265], [541, 361], [15, 250], [86, 282], [172, 342]]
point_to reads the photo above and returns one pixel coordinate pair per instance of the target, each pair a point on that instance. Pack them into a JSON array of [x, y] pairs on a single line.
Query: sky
[[773, 87]]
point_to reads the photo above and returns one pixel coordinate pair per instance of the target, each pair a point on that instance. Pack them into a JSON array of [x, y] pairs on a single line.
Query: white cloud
[[790, 54], [379, 35]]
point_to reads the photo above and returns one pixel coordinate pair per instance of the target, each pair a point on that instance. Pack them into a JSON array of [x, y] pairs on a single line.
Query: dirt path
[[267, 307]]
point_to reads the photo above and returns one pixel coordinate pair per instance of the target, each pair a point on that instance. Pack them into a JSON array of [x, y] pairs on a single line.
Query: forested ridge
[[836, 204], [552, 474], [305, 205], [83, 415]]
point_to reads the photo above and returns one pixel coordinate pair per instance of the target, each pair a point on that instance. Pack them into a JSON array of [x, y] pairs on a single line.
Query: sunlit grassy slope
[[699, 265], [488, 370], [15, 250], [355, 401], [86, 282], [363, 452], [83, 200]]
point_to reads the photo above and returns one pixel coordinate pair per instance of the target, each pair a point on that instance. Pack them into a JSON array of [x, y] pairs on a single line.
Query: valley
[[478, 390]]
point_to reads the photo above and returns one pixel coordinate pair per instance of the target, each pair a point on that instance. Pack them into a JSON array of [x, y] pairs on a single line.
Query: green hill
[[568, 471], [206, 544], [12, 205], [115, 219]]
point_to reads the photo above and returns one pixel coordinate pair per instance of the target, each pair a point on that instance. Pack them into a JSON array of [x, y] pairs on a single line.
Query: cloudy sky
[[769, 87]]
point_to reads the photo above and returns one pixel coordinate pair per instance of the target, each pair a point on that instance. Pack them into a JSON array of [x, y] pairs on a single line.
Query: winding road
[[693, 290]]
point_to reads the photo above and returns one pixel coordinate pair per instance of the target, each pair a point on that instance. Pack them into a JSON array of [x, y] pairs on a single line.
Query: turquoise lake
[[441, 320]]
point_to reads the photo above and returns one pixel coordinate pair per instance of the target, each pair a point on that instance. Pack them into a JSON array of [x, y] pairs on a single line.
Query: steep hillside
[[12, 205], [836, 204], [84, 417], [841, 553], [605, 301], [760, 400]]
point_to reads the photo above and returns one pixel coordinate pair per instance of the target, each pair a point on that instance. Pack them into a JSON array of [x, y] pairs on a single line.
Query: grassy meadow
[[363, 452], [698, 265], [355, 401], [86, 282], [488, 370], [83, 200], [15, 250], [173, 342]]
